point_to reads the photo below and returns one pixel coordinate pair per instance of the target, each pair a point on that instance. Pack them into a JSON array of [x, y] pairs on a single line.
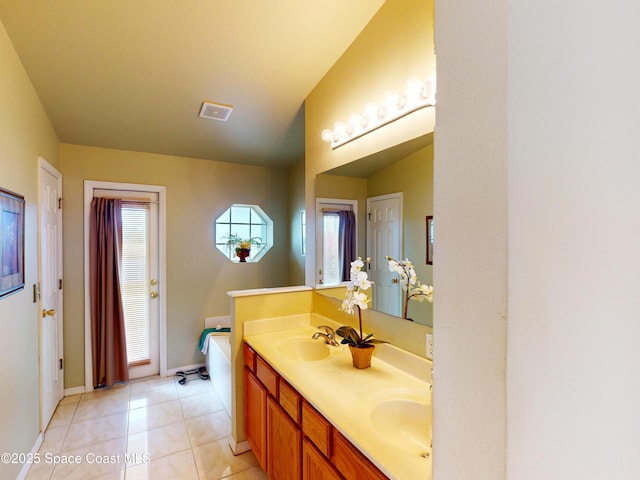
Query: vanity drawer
[[249, 357], [290, 400], [317, 428], [267, 376]]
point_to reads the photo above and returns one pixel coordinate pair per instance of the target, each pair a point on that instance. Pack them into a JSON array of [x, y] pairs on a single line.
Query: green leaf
[[349, 334]]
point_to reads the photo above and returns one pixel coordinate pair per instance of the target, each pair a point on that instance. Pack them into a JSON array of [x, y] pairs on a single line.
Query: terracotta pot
[[361, 356], [243, 253]]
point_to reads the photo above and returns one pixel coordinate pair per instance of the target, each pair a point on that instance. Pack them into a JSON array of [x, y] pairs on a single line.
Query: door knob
[[48, 313], [153, 294], [395, 280]]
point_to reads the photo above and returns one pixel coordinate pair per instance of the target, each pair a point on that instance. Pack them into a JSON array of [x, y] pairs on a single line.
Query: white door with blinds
[[139, 282], [140, 277]]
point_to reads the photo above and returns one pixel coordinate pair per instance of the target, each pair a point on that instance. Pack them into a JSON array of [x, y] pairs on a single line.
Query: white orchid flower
[[409, 279], [357, 265], [395, 267], [361, 300], [422, 292], [361, 281], [347, 305]]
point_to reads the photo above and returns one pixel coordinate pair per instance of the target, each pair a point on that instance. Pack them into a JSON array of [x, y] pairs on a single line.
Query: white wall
[[574, 237], [470, 260], [538, 100]]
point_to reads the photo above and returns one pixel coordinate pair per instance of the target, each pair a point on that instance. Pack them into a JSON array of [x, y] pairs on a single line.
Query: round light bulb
[[414, 88], [326, 135], [349, 129], [401, 101]]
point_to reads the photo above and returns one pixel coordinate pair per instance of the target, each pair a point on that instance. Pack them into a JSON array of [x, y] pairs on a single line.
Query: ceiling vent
[[215, 111]]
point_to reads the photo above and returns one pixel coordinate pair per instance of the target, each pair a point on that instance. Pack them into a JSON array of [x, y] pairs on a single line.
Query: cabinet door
[[351, 463], [284, 444], [314, 465], [255, 424]]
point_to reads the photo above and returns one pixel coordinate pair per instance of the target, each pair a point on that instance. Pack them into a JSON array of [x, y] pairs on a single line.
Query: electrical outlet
[[430, 346]]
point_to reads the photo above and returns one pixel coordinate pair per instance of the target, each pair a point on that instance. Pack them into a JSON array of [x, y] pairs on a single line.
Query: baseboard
[[172, 371], [238, 448], [74, 391], [24, 471]]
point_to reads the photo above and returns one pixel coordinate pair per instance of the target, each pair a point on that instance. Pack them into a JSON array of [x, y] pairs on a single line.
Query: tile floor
[[151, 429]]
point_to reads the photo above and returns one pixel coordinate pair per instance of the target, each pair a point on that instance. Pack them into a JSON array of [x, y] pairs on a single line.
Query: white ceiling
[[132, 74]]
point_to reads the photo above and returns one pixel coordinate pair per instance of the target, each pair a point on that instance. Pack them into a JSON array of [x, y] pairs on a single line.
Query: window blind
[[135, 281]]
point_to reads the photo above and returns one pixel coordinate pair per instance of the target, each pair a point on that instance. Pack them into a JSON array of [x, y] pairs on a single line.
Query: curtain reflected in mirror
[[347, 242], [336, 237]]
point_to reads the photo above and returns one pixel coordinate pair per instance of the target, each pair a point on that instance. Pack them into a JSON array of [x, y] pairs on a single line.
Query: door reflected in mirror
[[384, 238]]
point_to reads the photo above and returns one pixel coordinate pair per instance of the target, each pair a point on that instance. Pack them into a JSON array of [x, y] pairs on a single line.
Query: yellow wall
[[198, 276], [256, 307], [25, 134], [396, 45]]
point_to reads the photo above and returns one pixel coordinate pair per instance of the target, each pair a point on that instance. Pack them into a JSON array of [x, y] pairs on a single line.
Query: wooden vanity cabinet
[[255, 419], [290, 438], [271, 428], [351, 462], [284, 454], [315, 466], [316, 428]]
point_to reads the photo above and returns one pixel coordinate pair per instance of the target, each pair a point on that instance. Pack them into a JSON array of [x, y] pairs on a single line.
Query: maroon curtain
[[347, 242], [108, 339]]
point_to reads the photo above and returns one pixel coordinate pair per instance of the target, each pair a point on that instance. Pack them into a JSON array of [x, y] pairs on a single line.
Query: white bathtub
[[218, 359]]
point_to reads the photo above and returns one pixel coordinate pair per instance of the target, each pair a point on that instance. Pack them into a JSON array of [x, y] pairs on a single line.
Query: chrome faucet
[[329, 335]]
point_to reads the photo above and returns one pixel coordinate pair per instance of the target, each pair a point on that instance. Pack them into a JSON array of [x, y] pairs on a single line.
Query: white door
[[140, 284], [384, 238], [142, 275], [51, 347]]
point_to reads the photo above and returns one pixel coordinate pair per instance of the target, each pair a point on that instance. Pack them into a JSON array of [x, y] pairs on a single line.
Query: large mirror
[[405, 172]]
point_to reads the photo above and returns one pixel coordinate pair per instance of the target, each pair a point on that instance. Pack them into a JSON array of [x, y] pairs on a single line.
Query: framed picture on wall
[[11, 242], [430, 240]]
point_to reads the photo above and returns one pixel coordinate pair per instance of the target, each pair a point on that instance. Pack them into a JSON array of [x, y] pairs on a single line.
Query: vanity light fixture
[[416, 95]]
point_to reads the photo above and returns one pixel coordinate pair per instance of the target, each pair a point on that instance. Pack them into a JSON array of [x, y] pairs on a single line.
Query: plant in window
[[412, 288], [361, 346], [242, 245]]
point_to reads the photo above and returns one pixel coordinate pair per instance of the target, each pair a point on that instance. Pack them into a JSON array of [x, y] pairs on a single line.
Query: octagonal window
[[244, 233]]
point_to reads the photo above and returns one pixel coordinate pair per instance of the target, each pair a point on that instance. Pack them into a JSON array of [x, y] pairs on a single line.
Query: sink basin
[[305, 349], [405, 421]]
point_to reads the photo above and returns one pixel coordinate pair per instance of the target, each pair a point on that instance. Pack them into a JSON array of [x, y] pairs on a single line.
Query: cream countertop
[[346, 397]]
